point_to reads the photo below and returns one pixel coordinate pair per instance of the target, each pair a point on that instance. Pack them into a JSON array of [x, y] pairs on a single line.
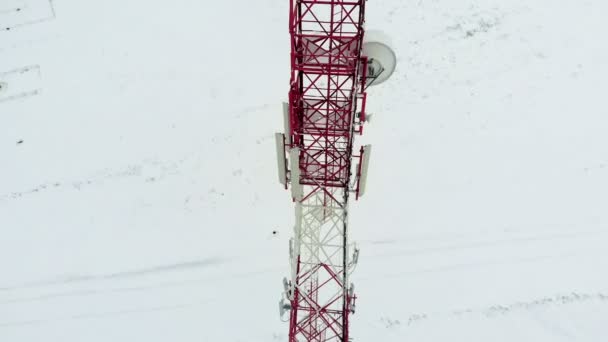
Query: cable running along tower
[[331, 67]]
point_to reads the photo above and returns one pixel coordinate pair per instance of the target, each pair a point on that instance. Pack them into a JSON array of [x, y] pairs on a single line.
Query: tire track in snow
[[491, 243], [502, 309], [118, 290], [67, 280], [107, 314], [151, 170]]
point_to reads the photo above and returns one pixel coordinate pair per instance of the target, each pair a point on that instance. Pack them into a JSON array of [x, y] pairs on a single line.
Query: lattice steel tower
[[331, 68]]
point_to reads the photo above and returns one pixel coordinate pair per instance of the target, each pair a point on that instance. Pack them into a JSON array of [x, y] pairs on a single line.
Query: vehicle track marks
[[498, 310], [65, 280]]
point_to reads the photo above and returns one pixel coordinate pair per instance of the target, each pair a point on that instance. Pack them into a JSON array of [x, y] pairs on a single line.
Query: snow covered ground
[[138, 192]]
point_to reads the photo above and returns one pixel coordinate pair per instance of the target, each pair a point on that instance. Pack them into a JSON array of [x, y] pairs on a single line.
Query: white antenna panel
[[367, 150], [287, 123], [281, 160], [296, 187]]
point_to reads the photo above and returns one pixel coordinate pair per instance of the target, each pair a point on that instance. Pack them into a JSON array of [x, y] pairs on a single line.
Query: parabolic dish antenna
[[381, 58]]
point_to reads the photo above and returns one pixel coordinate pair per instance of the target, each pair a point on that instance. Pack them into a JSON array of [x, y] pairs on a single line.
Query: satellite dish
[[381, 58]]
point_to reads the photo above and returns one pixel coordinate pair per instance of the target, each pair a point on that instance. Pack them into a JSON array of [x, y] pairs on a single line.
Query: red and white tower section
[[331, 67]]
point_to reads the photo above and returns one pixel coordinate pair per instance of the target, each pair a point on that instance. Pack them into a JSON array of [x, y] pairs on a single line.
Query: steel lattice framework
[[326, 108]]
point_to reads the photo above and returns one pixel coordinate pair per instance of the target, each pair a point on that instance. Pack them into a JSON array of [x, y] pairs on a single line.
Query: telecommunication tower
[[332, 64]]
